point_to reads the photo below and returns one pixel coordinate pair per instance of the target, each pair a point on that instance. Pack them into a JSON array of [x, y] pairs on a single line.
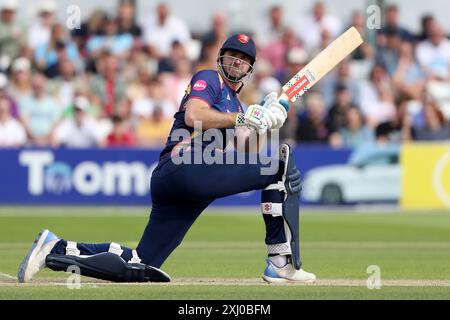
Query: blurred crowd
[[115, 82]]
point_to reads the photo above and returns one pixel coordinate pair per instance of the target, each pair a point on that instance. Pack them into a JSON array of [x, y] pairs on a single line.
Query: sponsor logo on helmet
[[199, 85], [243, 38]]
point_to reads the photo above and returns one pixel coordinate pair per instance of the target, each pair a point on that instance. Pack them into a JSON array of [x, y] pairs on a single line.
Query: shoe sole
[[37, 245], [283, 280]]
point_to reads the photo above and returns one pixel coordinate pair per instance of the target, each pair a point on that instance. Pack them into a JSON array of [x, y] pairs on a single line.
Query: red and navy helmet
[[241, 43]]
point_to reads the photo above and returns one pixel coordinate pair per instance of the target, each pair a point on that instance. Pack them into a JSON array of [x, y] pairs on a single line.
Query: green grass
[[411, 246]]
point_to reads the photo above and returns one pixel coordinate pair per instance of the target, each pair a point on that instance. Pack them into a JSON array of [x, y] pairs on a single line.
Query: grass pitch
[[223, 255]]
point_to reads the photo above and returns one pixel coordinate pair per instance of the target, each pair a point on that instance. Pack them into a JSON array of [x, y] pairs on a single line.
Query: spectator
[[271, 29], [355, 133], [408, 78], [108, 85], [121, 135], [14, 110], [276, 51], [311, 127], [340, 77], [399, 129], [20, 84], [48, 55], [156, 96], [175, 84], [168, 63], [426, 23], [161, 31], [391, 22], [217, 35], [110, 40], [435, 128], [388, 54], [337, 113], [12, 133], [152, 132], [126, 19], [12, 33], [312, 27], [89, 28], [377, 97], [81, 131], [39, 113], [434, 54], [64, 85], [364, 51], [40, 32]]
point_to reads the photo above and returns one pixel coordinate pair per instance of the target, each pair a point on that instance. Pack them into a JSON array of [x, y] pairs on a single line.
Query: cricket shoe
[[34, 261], [287, 273]]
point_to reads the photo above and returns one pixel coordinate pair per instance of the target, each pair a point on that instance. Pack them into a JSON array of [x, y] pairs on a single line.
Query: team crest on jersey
[[199, 85], [243, 38]]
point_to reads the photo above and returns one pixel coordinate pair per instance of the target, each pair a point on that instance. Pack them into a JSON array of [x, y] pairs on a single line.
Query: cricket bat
[[326, 60]]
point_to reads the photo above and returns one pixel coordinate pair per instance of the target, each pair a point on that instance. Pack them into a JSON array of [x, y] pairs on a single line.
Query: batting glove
[[278, 108]]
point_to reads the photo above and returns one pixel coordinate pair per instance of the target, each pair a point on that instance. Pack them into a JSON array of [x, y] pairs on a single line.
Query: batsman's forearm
[[209, 118]]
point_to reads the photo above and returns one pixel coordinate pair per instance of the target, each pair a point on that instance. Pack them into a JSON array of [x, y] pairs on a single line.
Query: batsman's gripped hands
[[271, 114]]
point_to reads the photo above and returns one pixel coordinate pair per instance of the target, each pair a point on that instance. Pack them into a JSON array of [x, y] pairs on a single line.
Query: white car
[[372, 174]]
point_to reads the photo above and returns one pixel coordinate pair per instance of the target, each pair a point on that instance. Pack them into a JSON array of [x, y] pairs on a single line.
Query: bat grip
[[284, 101]]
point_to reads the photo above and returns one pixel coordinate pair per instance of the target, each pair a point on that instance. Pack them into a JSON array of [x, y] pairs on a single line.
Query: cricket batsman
[[182, 190]]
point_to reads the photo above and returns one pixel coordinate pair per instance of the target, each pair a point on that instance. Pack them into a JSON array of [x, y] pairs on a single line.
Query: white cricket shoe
[[34, 261], [287, 273]]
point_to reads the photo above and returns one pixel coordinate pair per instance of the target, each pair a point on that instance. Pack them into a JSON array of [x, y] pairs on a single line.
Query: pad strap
[[115, 248], [71, 249], [135, 258]]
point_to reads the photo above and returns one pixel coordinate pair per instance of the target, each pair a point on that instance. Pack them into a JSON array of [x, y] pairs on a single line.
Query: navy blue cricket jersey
[[208, 86]]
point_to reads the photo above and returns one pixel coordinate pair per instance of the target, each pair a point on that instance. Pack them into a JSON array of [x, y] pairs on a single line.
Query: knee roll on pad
[[107, 266]]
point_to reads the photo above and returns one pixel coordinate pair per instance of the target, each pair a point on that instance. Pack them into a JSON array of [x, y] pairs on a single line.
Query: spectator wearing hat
[[12, 133], [12, 32], [79, 131], [19, 85], [40, 32]]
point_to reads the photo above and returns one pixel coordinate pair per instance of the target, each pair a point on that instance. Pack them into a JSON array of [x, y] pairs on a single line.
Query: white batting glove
[[279, 112], [257, 117]]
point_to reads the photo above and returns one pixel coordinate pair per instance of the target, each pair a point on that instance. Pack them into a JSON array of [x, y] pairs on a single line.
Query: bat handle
[[284, 101]]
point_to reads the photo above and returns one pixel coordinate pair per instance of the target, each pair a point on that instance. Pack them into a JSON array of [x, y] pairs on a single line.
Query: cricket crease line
[[92, 283]]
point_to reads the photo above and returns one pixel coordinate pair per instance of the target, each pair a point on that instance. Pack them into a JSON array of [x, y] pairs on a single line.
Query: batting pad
[[107, 266]]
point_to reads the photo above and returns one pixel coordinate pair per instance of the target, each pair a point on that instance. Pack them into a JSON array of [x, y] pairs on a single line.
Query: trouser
[[180, 193]]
